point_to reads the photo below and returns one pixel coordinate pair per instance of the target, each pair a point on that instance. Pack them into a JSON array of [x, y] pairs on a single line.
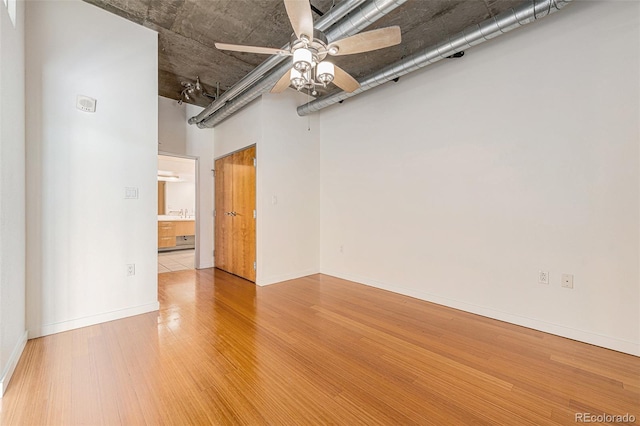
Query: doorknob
[[230, 213]]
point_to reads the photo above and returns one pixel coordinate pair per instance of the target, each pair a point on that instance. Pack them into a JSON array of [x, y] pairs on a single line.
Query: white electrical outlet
[[543, 277], [341, 248], [131, 269], [567, 281]]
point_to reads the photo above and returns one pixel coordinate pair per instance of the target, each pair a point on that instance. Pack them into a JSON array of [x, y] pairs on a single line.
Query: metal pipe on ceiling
[[525, 13], [325, 22], [352, 24]]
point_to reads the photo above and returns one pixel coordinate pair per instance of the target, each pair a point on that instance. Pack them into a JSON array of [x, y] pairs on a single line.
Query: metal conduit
[[525, 13], [355, 22], [325, 22]]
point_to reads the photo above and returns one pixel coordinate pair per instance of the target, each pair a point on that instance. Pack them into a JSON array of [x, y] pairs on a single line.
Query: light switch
[[130, 193]]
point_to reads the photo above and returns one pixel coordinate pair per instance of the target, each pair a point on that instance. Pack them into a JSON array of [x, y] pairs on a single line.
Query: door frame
[[196, 260], [227, 154]]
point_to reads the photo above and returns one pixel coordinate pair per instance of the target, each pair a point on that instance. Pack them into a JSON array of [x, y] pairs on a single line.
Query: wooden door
[[223, 168], [235, 239], [243, 250], [161, 197]]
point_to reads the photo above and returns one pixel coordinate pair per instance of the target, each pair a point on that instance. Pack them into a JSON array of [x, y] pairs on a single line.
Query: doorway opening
[[177, 217]]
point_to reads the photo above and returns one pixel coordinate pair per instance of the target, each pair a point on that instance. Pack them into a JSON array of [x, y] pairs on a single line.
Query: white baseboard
[[58, 327], [263, 281], [632, 348], [12, 363]]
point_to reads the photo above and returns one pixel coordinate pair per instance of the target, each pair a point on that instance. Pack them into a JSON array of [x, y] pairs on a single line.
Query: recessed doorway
[[235, 218], [177, 206]]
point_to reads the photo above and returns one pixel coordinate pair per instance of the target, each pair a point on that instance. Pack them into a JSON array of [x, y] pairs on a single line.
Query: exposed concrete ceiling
[[188, 29]]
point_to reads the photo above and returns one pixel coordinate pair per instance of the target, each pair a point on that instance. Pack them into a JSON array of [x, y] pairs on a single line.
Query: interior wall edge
[[13, 266], [5, 379]]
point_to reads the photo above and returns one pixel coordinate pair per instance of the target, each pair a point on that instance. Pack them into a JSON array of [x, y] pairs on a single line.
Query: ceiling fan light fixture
[[302, 60], [297, 79], [309, 47], [325, 72]]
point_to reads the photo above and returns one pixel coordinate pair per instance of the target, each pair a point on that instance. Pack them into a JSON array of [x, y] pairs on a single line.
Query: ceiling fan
[[309, 48]]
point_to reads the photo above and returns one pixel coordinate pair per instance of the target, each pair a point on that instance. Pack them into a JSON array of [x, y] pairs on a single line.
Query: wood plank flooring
[[316, 350]]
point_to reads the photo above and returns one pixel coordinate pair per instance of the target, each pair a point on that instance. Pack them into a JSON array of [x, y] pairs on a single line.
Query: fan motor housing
[[318, 46]]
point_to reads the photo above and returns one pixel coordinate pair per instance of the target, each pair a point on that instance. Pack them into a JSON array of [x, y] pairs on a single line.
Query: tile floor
[[178, 260]]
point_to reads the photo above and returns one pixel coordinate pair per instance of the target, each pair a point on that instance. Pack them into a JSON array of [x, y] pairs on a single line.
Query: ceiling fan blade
[[283, 83], [343, 80], [299, 12], [251, 49], [367, 41]]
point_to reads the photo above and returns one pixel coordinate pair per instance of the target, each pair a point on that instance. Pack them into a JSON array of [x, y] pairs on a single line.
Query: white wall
[[181, 196], [288, 191], [81, 231], [172, 134], [239, 131], [12, 193], [199, 143], [287, 146], [462, 181]]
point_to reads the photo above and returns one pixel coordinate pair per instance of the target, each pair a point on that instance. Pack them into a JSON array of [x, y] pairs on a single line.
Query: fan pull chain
[[308, 115]]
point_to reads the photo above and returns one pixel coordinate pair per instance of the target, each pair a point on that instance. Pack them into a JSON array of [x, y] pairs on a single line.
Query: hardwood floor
[[317, 350]]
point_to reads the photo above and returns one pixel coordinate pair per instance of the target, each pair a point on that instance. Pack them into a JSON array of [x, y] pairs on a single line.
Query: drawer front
[[166, 229], [166, 242], [185, 228]]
